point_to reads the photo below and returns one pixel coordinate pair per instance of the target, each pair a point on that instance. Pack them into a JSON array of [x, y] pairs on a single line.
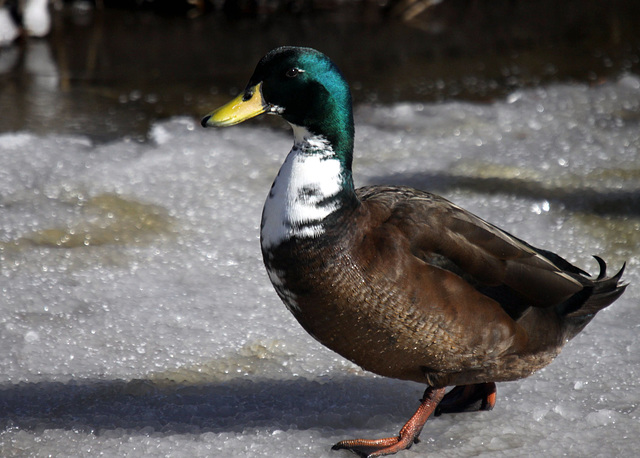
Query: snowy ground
[[136, 318]]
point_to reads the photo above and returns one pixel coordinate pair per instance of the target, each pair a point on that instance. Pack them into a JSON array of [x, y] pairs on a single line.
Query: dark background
[[119, 65]]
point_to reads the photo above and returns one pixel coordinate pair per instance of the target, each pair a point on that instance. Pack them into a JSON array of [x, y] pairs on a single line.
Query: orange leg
[[468, 398], [408, 434]]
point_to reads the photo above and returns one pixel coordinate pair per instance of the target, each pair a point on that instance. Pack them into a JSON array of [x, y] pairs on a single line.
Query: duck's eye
[[293, 72]]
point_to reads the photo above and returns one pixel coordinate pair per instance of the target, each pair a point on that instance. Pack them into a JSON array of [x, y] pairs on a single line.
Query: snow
[[136, 318]]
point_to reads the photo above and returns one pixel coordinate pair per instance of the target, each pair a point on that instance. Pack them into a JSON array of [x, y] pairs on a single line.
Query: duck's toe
[[407, 436]]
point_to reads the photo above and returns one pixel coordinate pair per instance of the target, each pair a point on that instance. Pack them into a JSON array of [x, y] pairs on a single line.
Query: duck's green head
[[304, 87]]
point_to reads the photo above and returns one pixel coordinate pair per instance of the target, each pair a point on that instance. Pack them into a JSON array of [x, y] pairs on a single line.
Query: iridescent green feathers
[[312, 93]]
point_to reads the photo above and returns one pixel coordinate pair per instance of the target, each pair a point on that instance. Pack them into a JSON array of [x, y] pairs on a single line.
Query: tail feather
[[604, 291], [603, 267]]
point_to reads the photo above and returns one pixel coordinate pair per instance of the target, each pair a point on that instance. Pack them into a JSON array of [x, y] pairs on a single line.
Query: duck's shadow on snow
[[149, 407]]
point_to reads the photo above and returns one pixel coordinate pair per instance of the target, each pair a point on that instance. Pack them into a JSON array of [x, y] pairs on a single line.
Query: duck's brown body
[[408, 285]]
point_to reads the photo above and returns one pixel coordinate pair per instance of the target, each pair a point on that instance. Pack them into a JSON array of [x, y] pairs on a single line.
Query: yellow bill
[[239, 109]]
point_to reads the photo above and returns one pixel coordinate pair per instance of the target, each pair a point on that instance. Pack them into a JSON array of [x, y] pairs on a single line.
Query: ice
[[136, 318]]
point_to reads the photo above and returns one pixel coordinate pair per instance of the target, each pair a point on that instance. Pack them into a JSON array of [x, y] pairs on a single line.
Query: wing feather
[[491, 259]]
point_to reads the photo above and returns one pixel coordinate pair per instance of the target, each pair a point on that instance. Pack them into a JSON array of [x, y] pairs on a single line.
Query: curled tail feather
[[604, 291], [596, 295]]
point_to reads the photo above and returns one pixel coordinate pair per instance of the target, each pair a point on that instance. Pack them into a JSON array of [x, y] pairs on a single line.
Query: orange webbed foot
[[407, 436]]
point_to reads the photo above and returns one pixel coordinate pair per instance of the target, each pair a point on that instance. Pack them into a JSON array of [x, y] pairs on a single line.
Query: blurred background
[[109, 68]]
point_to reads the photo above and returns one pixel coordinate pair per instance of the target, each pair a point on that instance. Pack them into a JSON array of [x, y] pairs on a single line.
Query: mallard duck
[[400, 281], [36, 18]]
